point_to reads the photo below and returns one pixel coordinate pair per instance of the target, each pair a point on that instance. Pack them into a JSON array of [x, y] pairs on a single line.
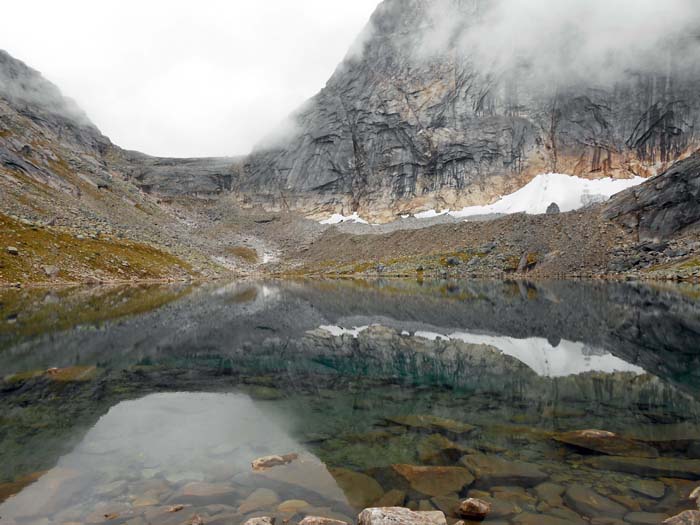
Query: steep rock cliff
[[662, 206], [399, 128]]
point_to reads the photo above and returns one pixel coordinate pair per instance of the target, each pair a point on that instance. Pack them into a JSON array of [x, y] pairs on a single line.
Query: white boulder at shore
[[400, 516]]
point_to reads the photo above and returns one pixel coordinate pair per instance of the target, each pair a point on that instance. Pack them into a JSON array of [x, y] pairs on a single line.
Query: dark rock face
[[172, 177], [664, 205], [392, 133]]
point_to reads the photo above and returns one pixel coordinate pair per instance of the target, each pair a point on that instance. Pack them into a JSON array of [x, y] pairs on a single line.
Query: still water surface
[[119, 405]]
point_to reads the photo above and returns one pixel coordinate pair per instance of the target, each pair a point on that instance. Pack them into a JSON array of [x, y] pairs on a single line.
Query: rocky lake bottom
[[556, 402]]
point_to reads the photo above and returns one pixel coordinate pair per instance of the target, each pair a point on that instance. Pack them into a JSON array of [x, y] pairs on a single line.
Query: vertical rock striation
[[406, 123]]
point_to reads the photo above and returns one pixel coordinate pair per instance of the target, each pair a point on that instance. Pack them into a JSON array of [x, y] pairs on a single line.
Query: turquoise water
[[123, 404]]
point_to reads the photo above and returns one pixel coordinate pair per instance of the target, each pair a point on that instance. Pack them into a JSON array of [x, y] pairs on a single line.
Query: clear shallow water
[[164, 395]]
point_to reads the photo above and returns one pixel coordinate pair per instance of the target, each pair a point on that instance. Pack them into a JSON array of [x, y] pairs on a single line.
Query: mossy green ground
[[79, 259]]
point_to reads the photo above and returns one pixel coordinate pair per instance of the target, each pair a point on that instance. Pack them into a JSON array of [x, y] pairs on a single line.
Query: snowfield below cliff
[[567, 191]]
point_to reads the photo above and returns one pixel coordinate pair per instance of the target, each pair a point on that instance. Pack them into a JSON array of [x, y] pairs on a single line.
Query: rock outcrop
[[664, 205], [398, 130]]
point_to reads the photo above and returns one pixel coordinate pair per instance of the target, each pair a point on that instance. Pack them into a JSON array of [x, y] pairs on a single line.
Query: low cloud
[[566, 41]]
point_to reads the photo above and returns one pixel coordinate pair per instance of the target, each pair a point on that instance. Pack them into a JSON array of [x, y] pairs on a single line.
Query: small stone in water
[[265, 520], [293, 506], [474, 508], [650, 488], [273, 461], [176, 508]]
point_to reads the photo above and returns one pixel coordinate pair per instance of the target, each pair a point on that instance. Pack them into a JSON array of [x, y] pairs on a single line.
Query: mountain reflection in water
[[164, 395]]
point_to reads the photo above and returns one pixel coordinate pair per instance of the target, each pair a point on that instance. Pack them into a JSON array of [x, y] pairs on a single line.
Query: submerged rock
[[317, 520], [688, 517], [448, 504], [645, 518], [360, 489], [650, 467], [264, 520], [292, 506], [260, 499], [474, 508], [200, 489], [588, 502], [500, 508], [550, 493], [433, 423], [437, 449], [400, 516], [491, 471], [607, 443], [393, 498], [650, 488], [527, 518], [435, 481], [273, 461]]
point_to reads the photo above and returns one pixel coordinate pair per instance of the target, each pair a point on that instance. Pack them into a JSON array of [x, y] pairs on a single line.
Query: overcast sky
[[185, 78]]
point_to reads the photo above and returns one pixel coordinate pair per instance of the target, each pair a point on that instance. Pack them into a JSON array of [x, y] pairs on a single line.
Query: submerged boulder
[[491, 471], [605, 442], [433, 423], [588, 502], [260, 499], [360, 489], [688, 517], [650, 467], [273, 461], [437, 449], [318, 520], [474, 508], [435, 481]]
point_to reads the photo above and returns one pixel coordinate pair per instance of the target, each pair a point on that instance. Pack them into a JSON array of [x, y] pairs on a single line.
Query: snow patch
[[568, 191], [337, 218], [336, 330], [429, 214]]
